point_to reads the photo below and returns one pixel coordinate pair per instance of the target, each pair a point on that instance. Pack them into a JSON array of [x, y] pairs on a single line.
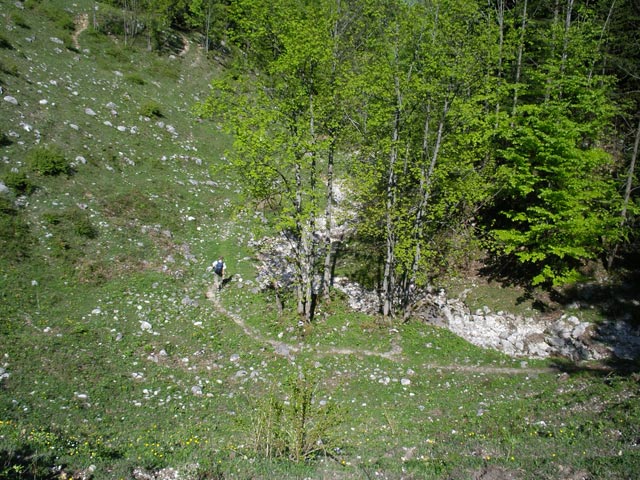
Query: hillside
[[116, 363]]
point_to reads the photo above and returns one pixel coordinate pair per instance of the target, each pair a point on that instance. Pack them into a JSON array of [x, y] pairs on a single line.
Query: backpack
[[217, 268]]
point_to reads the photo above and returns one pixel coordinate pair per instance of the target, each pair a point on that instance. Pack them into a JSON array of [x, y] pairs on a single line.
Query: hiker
[[219, 269]]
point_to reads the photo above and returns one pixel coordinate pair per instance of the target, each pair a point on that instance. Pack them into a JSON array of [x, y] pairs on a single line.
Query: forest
[[503, 132]]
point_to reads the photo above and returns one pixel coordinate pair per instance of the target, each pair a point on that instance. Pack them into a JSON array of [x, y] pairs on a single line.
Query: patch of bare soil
[[495, 473], [82, 23]]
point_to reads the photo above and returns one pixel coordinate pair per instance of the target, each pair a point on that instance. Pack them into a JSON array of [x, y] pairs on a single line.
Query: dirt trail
[[395, 354], [82, 23], [186, 45]]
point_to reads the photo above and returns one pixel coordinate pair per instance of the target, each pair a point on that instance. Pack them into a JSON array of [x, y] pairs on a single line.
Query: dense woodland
[[500, 130]]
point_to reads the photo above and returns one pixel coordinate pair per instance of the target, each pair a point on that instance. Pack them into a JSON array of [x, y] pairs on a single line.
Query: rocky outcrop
[[517, 336]]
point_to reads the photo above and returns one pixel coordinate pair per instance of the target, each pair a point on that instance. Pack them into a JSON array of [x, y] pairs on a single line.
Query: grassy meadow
[[113, 360]]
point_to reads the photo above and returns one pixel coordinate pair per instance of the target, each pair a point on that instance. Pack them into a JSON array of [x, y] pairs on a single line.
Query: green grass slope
[[114, 364]]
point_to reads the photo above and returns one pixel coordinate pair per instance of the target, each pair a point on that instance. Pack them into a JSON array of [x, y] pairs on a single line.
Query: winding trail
[[82, 23], [394, 354], [186, 45]]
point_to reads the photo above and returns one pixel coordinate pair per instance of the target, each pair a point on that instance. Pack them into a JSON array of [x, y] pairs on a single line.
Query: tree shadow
[[615, 303], [605, 368], [355, 260]]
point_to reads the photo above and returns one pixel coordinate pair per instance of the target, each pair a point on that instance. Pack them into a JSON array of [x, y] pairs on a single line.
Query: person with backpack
[[219, 269]]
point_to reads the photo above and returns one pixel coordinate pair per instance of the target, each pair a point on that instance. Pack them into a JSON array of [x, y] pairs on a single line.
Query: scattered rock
[[11, 100], [140, 473], [515, 335]]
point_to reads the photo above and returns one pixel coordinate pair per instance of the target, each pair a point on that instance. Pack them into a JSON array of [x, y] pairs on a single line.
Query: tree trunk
[[500, 13], [309, 242], [519, 58], [554, 27], [426, 178], [565, 41], [328, 213], [299, 243], [207, 26], [604, 30], [627, 192], [388, 280]]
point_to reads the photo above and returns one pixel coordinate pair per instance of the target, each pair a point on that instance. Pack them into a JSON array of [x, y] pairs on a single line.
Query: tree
[[278, 101], [210, 16], [422, 104], [555, 192]]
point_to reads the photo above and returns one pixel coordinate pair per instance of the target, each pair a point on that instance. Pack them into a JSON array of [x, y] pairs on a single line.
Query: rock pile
[[517, 336]]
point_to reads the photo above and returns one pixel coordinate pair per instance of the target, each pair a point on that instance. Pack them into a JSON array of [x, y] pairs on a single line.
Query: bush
[[135, 79], [300, 429], [48, 161], [5, 44], [151, 109], [15, 237], [4, 139], [83, 226], [71, 222], [60, 17], [19, 182], [19, 21], [9, 67]]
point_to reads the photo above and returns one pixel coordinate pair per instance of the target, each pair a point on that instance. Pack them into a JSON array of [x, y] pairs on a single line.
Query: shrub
[[4, 139], [60, 17], [300, 429], [111, 23], [164, 70], [19, 21], [48, 161], [72, 221], [5, 44], [83, 226], [9, 67], [118, 53], [135, 79], [15, 237], [19, 182], [151, 109]]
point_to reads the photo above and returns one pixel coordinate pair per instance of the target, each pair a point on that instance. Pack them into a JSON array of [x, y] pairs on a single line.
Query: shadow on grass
[[26, 464], [616, 304], [605, 368]]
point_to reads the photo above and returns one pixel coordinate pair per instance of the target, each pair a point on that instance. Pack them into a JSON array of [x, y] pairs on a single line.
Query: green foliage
[[57, 15], [135, 79], [48, 161], [151, 109], [4, 139], [161, 68], [19, 182], [5, 44], [19, 20], [9, 67], [69, 300], [118, 53], [72, 220], [560, 202], [300, 429], [15, 236]]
